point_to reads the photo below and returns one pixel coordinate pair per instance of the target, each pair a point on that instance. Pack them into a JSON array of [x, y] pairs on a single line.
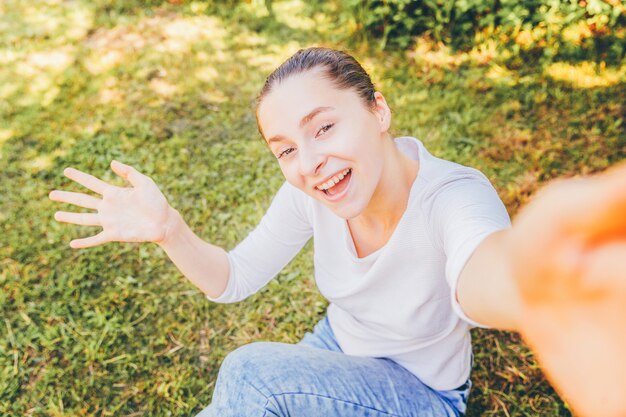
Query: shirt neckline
[[349, 242]]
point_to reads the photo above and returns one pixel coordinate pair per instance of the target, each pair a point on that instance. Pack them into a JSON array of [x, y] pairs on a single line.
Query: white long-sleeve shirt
[[399, 301]]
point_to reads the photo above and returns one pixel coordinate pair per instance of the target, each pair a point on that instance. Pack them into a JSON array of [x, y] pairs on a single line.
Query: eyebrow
[[306, 119]]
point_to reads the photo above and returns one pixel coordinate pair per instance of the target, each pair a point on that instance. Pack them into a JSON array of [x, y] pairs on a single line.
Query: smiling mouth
[[337, 184]]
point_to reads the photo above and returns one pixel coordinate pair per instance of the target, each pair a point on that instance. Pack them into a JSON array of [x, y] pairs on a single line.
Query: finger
[[78, 199], [597, 204], [83, 219], [86, 180], [88, 242], [127, 172], [605, 268]]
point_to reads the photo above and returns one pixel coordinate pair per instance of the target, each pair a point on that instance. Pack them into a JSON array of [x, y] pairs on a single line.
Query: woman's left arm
[[558, 276], [486, 290]]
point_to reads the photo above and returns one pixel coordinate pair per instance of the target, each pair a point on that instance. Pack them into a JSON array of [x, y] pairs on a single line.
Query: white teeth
[[334, 180]]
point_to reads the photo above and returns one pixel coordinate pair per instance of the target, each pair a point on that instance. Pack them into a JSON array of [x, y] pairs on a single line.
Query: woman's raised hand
[[126, 214], [569, 260]]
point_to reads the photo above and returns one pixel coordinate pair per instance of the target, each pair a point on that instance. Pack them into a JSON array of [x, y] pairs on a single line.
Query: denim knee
[[255, 364], [241, 388]]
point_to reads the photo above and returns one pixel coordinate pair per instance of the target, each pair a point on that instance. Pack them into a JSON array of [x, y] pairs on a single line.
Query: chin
[[346, 212]]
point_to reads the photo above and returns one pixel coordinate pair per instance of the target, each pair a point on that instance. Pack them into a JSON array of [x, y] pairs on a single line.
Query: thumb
[[127, 172], [602, 213]]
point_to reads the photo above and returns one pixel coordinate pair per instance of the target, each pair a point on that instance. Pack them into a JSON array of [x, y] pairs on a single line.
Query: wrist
[[172, 228]]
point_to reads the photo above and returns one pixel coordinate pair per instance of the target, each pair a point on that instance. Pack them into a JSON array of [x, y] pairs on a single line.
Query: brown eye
[[285, 152], [325, 128]]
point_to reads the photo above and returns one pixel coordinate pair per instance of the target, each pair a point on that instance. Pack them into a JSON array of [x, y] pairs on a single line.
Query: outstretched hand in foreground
[[568, 250], [139, 213]]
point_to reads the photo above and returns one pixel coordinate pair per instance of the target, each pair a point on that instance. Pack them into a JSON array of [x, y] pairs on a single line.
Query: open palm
[[126, 214], [569, 261]]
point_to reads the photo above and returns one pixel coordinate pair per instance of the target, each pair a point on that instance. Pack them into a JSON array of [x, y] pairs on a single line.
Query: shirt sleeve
[[279, 236], [465, 209]]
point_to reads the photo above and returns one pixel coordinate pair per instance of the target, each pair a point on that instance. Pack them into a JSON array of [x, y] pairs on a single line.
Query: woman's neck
[[391, 196]]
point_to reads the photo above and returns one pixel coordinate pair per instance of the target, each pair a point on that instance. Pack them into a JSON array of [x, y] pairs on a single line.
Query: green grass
[[116, 330]]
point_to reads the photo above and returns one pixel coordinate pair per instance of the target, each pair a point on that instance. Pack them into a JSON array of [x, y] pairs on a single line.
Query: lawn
[[116, 330]]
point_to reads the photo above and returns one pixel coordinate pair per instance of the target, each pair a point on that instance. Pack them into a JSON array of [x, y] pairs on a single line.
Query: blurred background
[[523, 90]]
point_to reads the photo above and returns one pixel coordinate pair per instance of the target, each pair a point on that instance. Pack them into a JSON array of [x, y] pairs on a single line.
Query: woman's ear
[[382, 111]]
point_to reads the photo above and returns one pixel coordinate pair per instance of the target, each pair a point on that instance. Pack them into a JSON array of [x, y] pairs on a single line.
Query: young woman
[[410, 250]]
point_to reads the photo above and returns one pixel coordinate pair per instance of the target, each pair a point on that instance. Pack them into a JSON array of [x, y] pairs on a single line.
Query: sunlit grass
[[5, 134], [586, 74], [38, 45]]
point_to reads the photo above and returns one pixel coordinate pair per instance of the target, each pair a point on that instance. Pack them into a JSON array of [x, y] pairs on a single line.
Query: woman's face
[[325, 138]]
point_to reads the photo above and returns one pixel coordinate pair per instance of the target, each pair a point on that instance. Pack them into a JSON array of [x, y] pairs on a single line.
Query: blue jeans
[[314, 378]]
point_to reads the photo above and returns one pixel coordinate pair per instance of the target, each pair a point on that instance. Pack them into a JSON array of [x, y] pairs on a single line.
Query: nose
[[310, 161]]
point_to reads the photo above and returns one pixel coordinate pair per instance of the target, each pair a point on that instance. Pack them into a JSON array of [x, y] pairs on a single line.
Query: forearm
[[204, 264], [486, 289]]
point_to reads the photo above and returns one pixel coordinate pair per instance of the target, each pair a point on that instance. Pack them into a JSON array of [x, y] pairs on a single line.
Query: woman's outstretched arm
[[558, 276], [486, 289], [141, 213], [203, 263]]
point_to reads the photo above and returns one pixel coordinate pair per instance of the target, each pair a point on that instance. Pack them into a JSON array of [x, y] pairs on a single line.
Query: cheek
[[358, 141], [291, 174], [348, 146], [360, 152]]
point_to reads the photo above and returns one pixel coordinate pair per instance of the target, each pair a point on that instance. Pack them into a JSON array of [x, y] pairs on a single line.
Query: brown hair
[[339, 67]]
